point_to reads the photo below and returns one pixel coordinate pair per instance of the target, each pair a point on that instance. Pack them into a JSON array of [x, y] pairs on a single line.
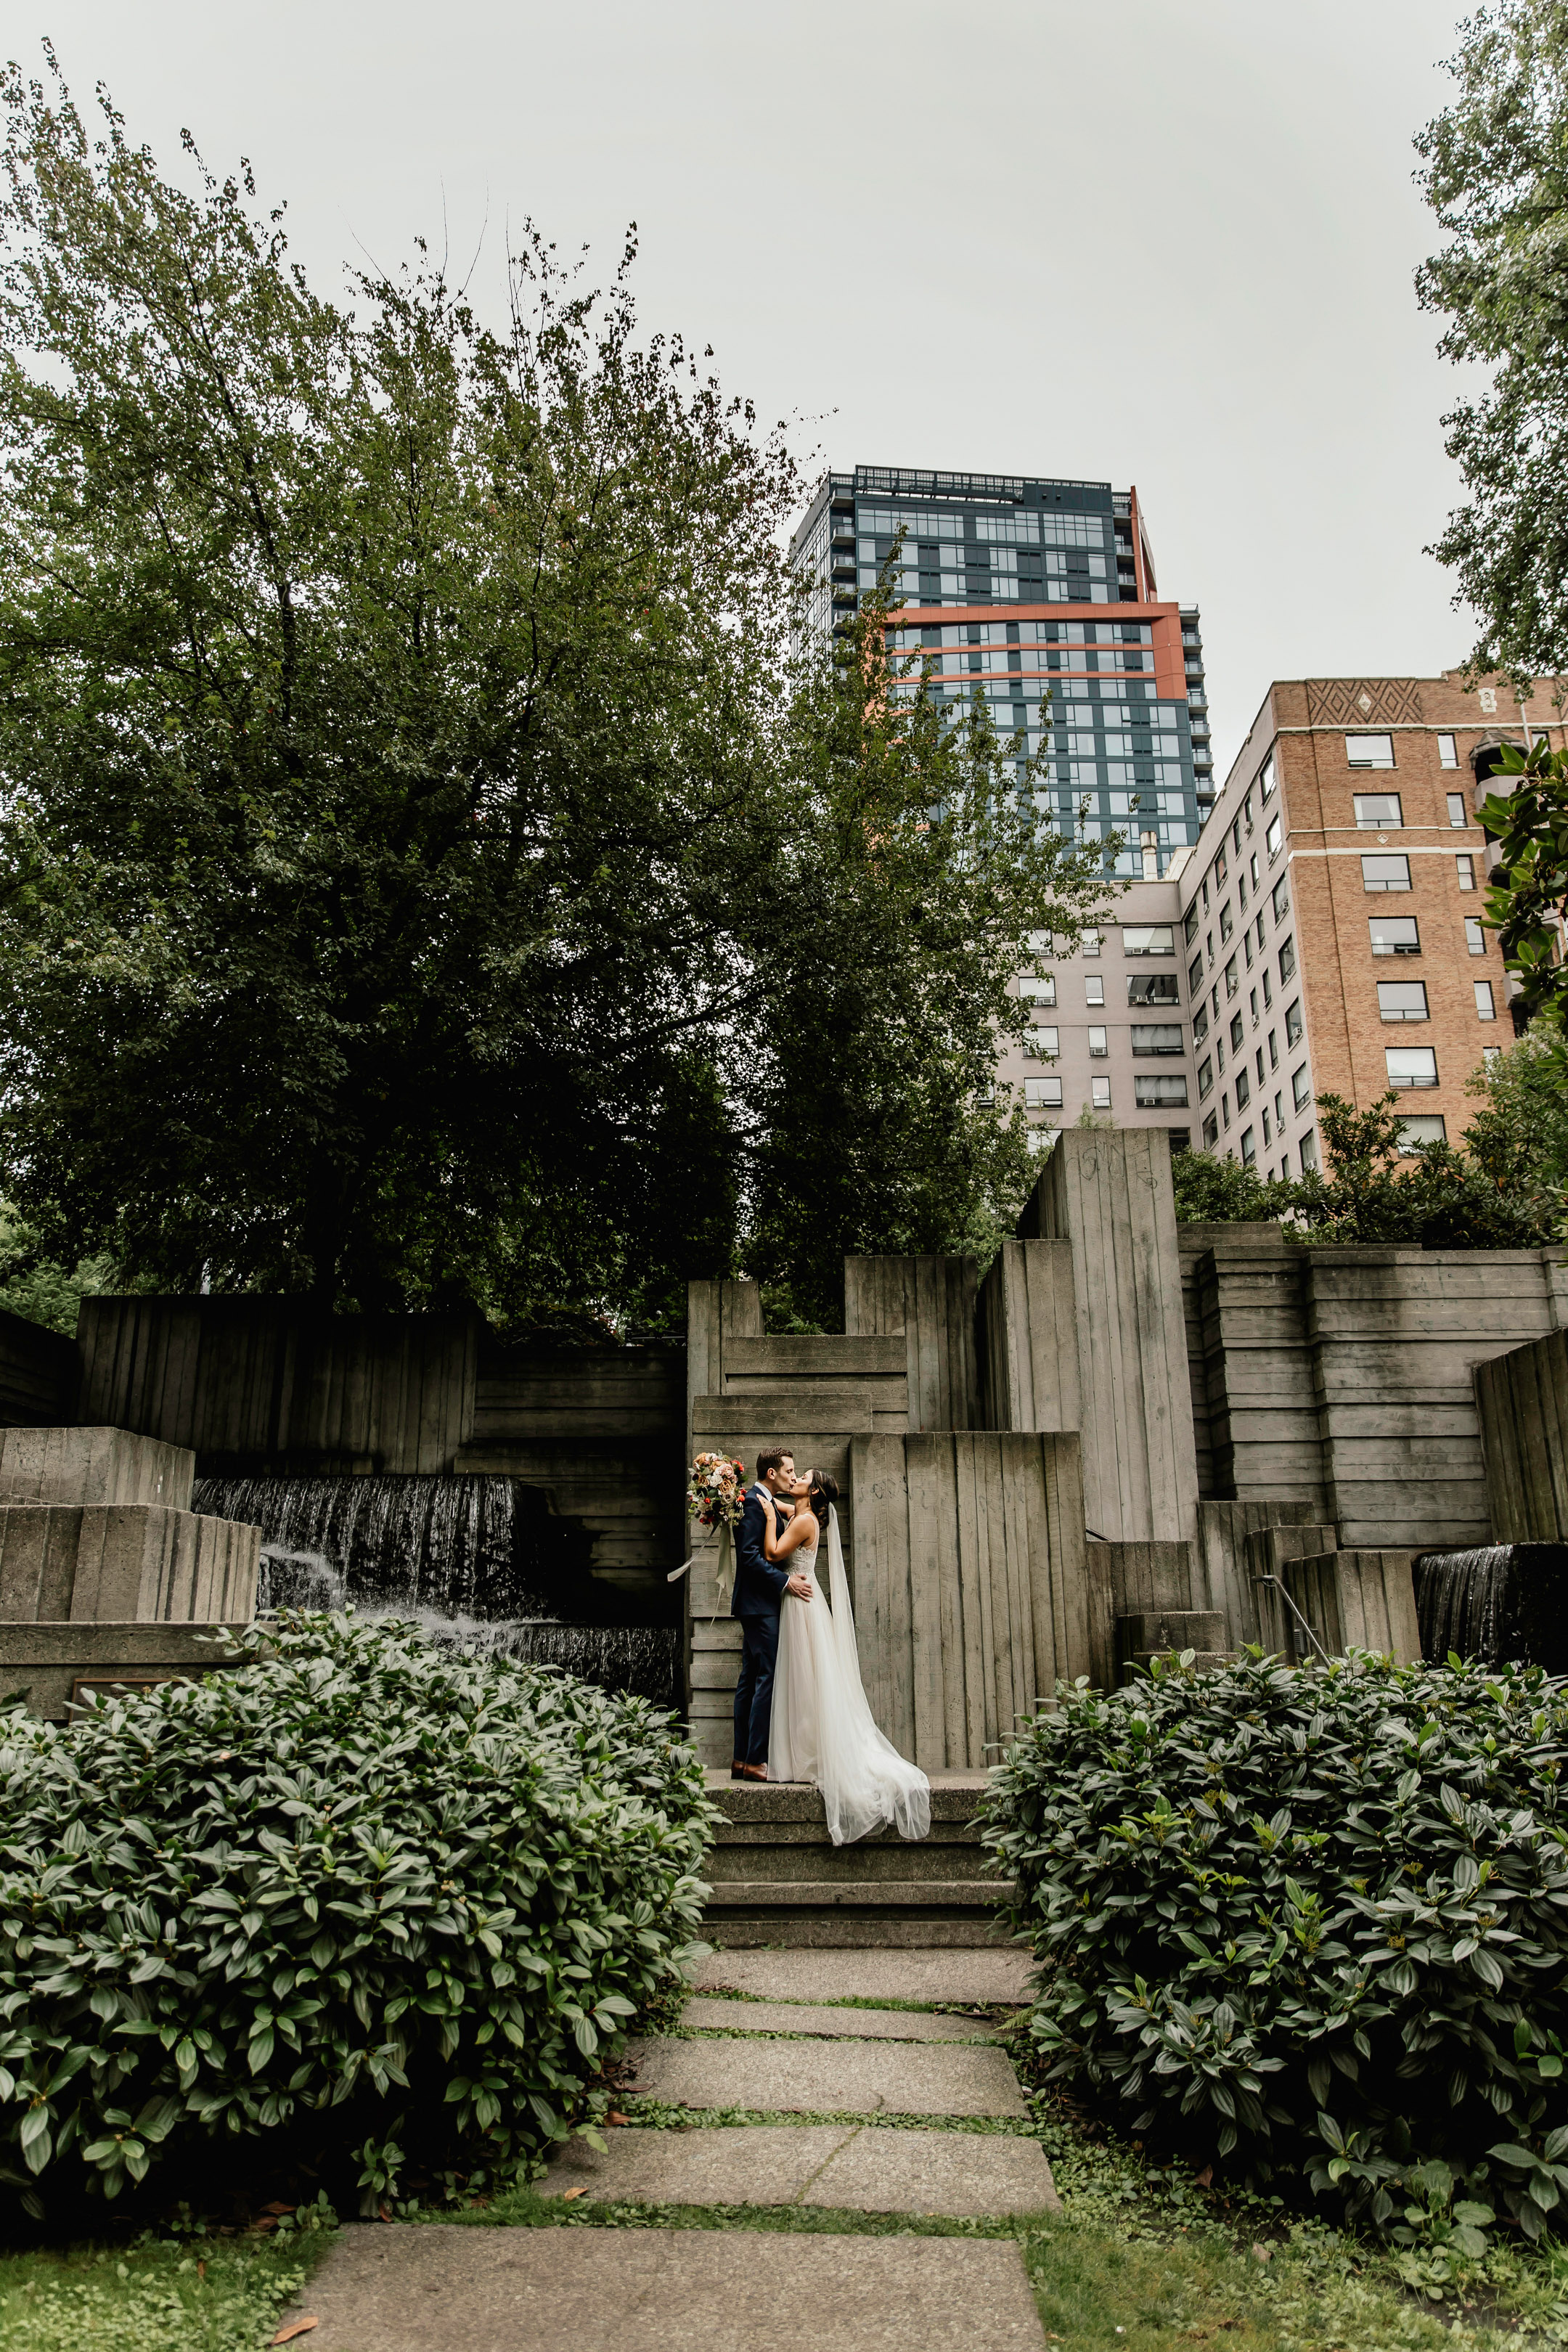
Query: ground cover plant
[[1310, 1921], [386, 1904]]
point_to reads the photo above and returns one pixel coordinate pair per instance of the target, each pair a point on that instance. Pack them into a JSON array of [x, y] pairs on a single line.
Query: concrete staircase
[[777, 1878]]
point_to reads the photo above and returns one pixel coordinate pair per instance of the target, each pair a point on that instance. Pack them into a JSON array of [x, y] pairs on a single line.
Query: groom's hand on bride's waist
[[800, 1585]]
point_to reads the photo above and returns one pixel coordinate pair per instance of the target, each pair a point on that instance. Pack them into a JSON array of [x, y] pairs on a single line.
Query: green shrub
[[1310, 1917], [365, 1888]]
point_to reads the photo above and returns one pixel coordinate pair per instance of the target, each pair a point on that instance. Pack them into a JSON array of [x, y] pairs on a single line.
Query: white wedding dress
[[822, 1729]]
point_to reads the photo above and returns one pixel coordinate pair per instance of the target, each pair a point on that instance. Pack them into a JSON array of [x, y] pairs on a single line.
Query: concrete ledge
[[46, 1662], [833, 1893], [93, 1466]]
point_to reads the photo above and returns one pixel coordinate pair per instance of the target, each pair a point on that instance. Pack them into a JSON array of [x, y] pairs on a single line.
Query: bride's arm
[[777, 1547]]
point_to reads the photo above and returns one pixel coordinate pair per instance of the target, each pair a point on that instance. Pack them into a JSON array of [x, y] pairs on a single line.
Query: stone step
[[862, 1891], [412, 2287], [859, 2078], [1202, 1662], [863, 2168], [1170, 1629], [772, 1860], [824, 2022], [999, 1977]]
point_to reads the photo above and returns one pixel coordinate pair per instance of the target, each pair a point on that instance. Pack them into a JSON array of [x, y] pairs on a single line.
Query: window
[[1237, 1033], [1227, 922], [1160, 1094], [1224, 1110], [1411, 1066], [1096, 1043], [1219, 870], [1152, 988], [1211, 1132], [1447, 751], [1039, 991], [1267, 989], [1273, 1050], [1043, 1094], [1266, 777], [1195, 975], [1292, 1024], [1394, 935], [1042, 943], [1206, 1077], [1308, 1154], [1385, 873], [1093, 989], [1152, 939], [1374, 811], [1402, 1000], [1200, 1024], [1100, 1093], [1157, 1037], [1267, 1130], [1041, 1138], [1486, 1010], [1272, 838], [1430, 1127], [1280, 1113], [1243, 1089], [1249, 1146], [1301, 1089], [1465, 868], [1281, 899], [1046, 1042], [1090, 944], [1459, 815], [1369, 751], [1232, 984], [1190, 924], [1474, 937], [1288, 961]]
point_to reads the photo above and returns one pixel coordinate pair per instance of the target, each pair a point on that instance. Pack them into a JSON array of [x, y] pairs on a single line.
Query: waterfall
[[480, 1562], [1497, 1604]]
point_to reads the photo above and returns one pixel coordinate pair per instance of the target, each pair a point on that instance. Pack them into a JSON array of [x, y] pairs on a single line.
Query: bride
[[822, 1729]]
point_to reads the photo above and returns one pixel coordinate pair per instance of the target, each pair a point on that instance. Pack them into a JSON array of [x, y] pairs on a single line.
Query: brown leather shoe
[[754, 1771], [737, 1769]]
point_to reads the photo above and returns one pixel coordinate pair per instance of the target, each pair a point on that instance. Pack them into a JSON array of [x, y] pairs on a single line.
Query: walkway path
[[782, 2034]]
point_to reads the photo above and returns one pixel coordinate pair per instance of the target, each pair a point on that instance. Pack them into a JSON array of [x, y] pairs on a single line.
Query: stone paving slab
[[443, 2288], [887, 1973], [847, 2024], [860, 2167], [858, 2078]]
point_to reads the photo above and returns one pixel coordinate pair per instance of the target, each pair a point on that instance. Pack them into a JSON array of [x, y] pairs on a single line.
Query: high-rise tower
[[1041, 595]]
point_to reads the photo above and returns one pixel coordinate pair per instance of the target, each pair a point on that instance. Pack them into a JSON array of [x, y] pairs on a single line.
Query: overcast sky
[[1168, 242]]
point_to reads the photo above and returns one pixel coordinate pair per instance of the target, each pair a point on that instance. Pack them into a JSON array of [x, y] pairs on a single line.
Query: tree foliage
[[1527, 894], [424, 844], [1494, 172], [1504, 1190], [358, 1892], [924, 869]]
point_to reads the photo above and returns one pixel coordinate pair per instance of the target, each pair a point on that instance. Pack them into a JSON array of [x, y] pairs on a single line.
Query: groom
[[758, 1596]]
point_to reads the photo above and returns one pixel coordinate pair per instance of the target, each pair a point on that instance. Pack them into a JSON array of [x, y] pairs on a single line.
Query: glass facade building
[[1041, 596]]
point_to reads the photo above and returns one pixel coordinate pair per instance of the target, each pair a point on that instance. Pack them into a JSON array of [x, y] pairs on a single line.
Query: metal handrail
[[1295, 1612]]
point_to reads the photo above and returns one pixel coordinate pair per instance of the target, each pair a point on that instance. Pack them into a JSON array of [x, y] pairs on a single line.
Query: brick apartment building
[[1322, 935], [1350, 812]]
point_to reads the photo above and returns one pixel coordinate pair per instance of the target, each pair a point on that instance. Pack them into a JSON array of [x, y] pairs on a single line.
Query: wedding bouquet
[[716, 1491]]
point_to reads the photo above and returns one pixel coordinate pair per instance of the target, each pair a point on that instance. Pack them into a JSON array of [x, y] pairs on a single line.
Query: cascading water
[[480, 1562], [1498, 1603]]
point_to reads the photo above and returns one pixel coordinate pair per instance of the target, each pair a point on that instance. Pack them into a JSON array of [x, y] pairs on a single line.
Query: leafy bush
[[1313, 1918], [1503, 1192], [363, 1887]]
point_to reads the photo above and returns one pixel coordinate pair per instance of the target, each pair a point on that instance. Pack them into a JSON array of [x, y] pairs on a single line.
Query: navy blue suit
[[756, 1601]]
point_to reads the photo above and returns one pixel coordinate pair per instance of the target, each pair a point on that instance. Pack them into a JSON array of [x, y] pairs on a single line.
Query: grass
[[191, 2294]]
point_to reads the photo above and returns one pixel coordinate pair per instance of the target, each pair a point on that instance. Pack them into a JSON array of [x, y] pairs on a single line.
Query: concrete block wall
[[1106, 1193], [1521, 1401], [970, 1596], [39, 1373], [93, 1466]]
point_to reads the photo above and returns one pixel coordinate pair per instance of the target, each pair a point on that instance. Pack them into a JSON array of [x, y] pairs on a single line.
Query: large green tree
[[423, 835], [1494, 172]]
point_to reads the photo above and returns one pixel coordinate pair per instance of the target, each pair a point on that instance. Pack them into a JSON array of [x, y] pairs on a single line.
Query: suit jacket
[[759, 1585]]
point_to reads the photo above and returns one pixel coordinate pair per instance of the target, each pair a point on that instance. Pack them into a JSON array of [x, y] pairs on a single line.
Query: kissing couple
[[801, 1709]]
